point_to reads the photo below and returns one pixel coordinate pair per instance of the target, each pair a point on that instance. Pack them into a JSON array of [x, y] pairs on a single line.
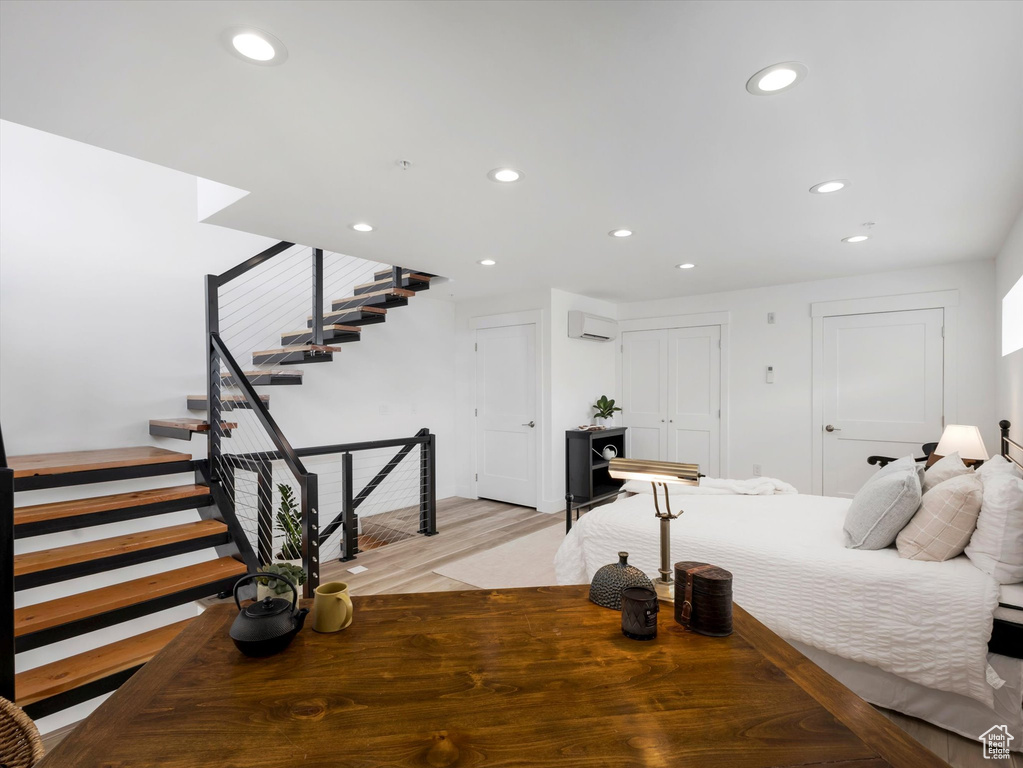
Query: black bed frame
[[1007, 636]]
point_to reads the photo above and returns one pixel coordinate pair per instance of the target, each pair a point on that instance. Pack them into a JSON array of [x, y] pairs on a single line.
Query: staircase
[[233, 519], [60, 684]]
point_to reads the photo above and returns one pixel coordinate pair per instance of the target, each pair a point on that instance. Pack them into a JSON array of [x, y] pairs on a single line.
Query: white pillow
[[998, 465], [883, 506], [944, 469], [996, 547], [638, 486]]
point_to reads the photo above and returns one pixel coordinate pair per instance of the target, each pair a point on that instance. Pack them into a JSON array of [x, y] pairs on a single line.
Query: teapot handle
[[252, 576]]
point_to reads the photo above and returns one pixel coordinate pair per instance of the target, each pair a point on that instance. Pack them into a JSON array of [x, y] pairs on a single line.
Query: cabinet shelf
[[587, 479]]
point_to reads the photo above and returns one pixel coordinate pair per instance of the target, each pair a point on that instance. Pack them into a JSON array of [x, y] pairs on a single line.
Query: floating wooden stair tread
[[63, 610], [228, 399], [192, 425], [268, 372], [84, 668], [32, 465], [297, 348], [60, 557], [334, 328], [57, 510], [367, 310], [412, 276]]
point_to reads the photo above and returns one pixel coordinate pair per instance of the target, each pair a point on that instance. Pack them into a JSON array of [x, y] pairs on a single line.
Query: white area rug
[[525, 562]]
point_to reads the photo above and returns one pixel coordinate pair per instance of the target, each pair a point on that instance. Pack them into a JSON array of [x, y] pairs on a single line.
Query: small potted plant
[[267, 587], [604, 412], [289, 524]]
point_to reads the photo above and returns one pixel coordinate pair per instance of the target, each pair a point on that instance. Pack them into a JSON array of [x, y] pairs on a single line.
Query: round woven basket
[[20, 745]]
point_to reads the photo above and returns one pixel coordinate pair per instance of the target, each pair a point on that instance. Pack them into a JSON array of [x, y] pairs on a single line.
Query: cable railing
[[271, 309]]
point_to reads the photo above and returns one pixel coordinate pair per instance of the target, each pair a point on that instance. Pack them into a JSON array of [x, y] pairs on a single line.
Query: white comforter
[[926, 622]]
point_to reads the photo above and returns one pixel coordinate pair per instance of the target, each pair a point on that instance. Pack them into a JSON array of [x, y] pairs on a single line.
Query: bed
[[907, 635]]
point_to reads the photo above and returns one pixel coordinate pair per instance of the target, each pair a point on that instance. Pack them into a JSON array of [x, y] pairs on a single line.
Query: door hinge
[[476, 347], [719, 413], [719, 343], [476, 412], [477, 477], [942, 331]]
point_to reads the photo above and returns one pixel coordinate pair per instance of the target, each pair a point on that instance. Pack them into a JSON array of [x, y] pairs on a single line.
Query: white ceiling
[[630, 114]]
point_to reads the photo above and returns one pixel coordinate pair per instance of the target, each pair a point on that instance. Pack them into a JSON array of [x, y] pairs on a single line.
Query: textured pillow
[[996, 547], [947, 518], [883, 506], [943, 469]]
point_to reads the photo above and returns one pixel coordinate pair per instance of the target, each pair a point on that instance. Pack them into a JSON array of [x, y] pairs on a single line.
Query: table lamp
[[966, 440], [659, 473]]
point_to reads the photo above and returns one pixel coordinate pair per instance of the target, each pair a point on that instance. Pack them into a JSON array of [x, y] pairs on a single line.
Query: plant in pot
[[289, 525], [267, 587], [604, 411]]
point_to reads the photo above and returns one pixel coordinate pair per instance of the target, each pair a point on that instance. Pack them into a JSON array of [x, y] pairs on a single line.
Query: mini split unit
[[584, 326]]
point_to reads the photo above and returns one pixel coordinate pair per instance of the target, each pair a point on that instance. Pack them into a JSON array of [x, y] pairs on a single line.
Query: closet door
[[694, 397], [645, 393]]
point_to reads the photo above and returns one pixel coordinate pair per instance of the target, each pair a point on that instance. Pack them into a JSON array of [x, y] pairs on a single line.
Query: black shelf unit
[[587, 481]]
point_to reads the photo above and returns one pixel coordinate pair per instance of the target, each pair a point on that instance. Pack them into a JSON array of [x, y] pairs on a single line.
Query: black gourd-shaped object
[[609, 581], [266, 626]]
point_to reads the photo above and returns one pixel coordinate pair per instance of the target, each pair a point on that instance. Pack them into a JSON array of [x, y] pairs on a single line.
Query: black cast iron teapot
[[266, 626]]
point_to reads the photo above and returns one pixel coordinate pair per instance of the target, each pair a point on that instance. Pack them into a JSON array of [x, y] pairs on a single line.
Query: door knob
[[831, 428], [530, 424]]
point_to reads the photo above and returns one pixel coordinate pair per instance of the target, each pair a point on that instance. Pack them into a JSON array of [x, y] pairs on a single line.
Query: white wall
[[770, 424], [102, 328], [1008, 270]]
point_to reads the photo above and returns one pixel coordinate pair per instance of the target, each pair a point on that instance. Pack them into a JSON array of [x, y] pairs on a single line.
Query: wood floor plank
[[932, 737], [966, 753], [35, 618], [60, 509], [35, 464], [75, 671], [59, 557]]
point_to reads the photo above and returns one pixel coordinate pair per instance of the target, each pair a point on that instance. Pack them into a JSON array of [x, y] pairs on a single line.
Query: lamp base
[[665, 590]]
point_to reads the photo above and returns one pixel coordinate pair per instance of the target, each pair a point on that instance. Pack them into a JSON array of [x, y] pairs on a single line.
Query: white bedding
[[926, 622]]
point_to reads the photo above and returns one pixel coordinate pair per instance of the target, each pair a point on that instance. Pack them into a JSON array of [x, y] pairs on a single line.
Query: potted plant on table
[[604, 412], [267, 587]]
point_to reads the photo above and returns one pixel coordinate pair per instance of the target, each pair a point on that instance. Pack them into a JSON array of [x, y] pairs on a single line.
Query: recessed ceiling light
[[255, 46], [362, 227], [620, 233], [505, 175], [826, 187], [487, 262], [687, 265], [855, 239], [776, 78]]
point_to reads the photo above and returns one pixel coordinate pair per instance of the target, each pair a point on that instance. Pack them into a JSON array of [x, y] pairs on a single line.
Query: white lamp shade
[[962, 438]]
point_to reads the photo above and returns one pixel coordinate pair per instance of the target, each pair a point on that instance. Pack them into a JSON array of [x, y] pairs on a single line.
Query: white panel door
[[883, 391], [506, 414], [645, 393], [694, 397]]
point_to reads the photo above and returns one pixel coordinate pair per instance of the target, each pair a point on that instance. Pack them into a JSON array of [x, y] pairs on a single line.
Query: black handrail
[[255, 261], [7, 582]]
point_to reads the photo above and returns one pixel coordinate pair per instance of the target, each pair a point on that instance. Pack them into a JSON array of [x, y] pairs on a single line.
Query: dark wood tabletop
[[514, 677]]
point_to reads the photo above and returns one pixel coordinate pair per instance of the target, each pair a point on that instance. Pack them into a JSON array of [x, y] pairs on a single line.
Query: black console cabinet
[[587, 481]]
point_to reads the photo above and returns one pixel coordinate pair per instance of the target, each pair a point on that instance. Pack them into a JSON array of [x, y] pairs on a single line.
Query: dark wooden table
[[516, 677]]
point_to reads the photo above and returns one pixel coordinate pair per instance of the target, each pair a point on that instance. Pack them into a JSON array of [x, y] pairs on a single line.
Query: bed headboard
[[1007, 445]]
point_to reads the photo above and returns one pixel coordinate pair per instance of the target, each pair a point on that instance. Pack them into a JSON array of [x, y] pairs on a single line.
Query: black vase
[[639, 613], [608, 582]]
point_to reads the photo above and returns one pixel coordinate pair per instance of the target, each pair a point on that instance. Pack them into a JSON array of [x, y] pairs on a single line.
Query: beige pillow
[[942, 527], [943, 469]]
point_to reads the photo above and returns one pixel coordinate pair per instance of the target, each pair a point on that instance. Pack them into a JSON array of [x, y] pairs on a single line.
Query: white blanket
[[720, 486], [925, 622]]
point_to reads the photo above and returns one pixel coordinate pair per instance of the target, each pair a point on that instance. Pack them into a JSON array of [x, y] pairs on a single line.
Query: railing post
[[213, 380], [264, 514], [349, 523], [427, 486], [396, 276], [7, 582], [311, 534], [433, 485], [317, 296]]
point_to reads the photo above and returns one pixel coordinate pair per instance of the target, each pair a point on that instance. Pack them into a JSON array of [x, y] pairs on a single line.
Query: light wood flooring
[[467, 527]]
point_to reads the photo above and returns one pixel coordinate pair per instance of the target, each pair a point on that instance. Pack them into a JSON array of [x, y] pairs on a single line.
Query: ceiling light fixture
[[362, 227], [505, 175], [776, 78], [487, 262], [827, 187], [255, 46], [687, 265], [620, 233], [855, 239]]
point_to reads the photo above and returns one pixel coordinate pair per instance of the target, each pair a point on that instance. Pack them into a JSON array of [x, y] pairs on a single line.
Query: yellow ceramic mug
[[332, 607]]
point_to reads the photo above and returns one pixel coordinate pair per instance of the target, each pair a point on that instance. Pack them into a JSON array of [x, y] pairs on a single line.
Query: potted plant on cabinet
[[604, 412]]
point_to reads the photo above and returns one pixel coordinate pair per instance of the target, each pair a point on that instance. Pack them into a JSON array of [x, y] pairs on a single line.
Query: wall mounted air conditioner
[[584, 326]]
